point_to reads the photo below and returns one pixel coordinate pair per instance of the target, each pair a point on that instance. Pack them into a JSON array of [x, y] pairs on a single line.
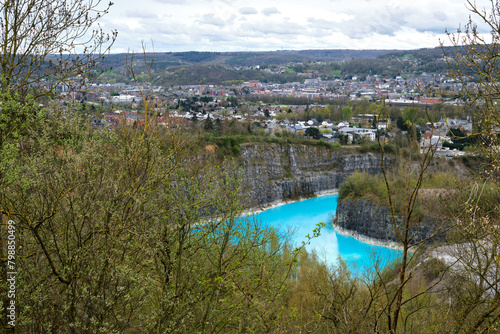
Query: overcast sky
[[260, 25]]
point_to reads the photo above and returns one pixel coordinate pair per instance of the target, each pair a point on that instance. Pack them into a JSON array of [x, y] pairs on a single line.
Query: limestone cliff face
[[274, 173], [362, 217]]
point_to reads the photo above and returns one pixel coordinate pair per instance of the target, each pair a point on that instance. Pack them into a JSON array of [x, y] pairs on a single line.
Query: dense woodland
[[138, 229], [190, 68]]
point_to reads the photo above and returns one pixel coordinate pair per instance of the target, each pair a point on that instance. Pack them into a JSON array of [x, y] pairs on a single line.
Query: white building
[[123, 98], [434, 141], [368, 134]]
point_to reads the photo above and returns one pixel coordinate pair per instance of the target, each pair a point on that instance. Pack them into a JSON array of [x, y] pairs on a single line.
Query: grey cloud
[[256, 27], [270, 11], [285, 28], [140, 14], [435, 21], [212, 20], [248, 11], [368, 25], [440, 15], [388, 19], [320, 24], [173, 2], [166, 28], [219, 37], [231, 19]]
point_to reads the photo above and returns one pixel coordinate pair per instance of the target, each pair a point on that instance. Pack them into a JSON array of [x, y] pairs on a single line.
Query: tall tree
[[47, 43], [312, 132], [130, 230], [347, 113], [475, 64], [208, 125]]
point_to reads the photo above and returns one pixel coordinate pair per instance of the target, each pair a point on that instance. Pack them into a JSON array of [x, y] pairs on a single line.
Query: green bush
[[405, 152], [374, 147], [390, 148], [363, 148], [433, 268], [361, 185]]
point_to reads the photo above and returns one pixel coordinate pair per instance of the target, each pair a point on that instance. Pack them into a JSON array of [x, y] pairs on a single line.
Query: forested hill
[[221, 68], [167, 59], [422, 54]]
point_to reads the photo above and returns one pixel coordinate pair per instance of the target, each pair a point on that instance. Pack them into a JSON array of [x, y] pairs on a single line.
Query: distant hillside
[[181, 68], [167, 59], [331, 55], [428, 54]]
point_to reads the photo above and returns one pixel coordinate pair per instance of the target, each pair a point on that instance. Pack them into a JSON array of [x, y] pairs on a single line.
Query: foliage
[[47, 43], [365, 185], [312, 132], [208, 124], [401, 124], [128, 230], [16, 117], [139, 230], [343, 139], [347, 113], [177, 68], [476, 67]]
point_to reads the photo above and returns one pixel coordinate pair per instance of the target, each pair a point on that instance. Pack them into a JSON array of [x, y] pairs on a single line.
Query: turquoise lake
[[303, 216]]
